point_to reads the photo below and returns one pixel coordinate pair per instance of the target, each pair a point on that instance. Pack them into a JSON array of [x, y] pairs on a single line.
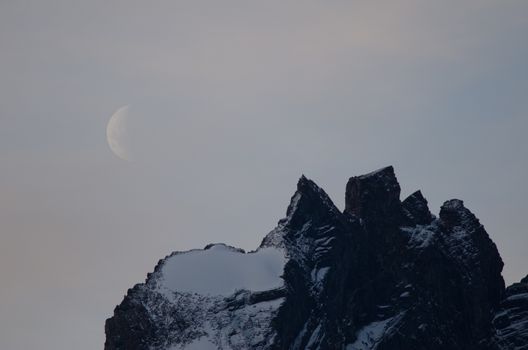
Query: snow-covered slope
[[222, 270], [384, 274], [218, 297]]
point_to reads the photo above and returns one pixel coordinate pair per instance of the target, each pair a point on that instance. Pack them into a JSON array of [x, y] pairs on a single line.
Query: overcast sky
[[230, 102]]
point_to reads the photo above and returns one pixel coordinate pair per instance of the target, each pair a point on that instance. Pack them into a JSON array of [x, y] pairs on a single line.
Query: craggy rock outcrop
[[511, 321], [384, 274]]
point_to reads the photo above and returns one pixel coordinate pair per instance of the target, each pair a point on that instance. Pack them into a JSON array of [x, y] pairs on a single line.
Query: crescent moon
[[117, 134]]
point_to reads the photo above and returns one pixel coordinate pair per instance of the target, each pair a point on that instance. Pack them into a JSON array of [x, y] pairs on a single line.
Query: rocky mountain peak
[[416, 210], [309, 201], [382, 275], [453, 213], [374, 195], [309, 208]]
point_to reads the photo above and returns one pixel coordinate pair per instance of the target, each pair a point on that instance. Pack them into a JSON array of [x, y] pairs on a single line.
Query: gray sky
[[231, 101]]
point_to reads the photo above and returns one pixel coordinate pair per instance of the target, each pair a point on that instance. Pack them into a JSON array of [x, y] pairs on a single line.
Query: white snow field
[[222, 270]]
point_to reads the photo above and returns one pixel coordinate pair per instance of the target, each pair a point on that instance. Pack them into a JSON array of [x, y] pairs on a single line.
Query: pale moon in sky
[[117, 134]]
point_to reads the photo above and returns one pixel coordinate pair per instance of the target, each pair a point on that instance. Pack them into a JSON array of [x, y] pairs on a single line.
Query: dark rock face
[[384, 274], [416, 211], [374, 196], [511, 320], [131, 325]]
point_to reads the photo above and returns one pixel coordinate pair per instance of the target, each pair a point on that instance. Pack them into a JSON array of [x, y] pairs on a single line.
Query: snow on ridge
[[222, 270], [377, 172], [420, 236], [368, 337]]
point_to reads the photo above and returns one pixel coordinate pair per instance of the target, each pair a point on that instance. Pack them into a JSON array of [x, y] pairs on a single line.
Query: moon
[[117, 134]]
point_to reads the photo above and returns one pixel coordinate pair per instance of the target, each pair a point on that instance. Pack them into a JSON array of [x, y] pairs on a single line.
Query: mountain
[[382, 274]]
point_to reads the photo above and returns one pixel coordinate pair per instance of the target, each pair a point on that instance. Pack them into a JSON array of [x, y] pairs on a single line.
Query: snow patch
[[221, 270], [369, 336], [316, 336], [420, 236], [405, 295], [318, 275]]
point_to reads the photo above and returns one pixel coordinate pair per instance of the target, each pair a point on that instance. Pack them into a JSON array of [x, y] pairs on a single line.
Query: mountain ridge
[[382, 274]]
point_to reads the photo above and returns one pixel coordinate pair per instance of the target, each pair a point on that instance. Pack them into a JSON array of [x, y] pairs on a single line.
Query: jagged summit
[[453, 214], [383, 274], [309, 199], [374, 195], [416, 209]]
